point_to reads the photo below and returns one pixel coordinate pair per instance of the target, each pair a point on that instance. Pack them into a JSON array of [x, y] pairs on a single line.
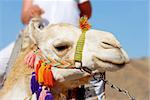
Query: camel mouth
[[108, 65], [109, 62]]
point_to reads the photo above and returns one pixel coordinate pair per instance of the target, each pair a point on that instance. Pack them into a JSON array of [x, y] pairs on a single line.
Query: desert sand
[[134, 78]]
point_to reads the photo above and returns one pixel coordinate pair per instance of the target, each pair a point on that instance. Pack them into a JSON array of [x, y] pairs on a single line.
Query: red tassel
[[37, 68], [30, 59], [48, 77]]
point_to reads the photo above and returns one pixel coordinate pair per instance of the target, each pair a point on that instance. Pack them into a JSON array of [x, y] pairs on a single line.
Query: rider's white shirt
[[60, 11]]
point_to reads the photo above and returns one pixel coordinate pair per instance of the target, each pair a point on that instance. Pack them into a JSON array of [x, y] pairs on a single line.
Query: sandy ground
[[134, 78]]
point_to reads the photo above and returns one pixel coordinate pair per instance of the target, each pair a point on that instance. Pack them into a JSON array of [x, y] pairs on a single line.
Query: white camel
[[102, 52]]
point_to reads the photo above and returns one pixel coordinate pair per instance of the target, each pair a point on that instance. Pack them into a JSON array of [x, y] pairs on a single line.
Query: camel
[[102, 52]]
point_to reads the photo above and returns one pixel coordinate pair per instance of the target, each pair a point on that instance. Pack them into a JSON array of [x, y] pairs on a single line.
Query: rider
[[56, 11]]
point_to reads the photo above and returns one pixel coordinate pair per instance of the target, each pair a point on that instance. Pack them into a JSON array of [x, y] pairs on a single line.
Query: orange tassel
[[41, 73], [84, 25]]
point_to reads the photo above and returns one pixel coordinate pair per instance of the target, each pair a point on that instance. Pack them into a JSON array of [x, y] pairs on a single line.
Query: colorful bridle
[[43, 76]]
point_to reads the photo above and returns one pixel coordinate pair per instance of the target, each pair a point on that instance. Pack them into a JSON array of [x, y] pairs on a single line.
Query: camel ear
[[32, 30], [34, 27]]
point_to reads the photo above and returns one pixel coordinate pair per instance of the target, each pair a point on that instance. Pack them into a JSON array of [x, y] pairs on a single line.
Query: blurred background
[[128, 20]]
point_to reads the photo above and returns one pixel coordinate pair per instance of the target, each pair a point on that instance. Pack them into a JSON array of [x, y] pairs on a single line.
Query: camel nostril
[[106, 45]]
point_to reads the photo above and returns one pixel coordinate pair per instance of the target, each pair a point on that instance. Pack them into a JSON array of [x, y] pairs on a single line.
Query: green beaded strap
[[79, 47], [84, 25]]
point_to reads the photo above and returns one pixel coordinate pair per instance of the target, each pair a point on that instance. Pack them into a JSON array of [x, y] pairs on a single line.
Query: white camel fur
[[102, 52]]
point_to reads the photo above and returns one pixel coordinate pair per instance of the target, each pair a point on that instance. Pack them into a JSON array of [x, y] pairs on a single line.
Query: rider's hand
[[35, 11], [30, 11]]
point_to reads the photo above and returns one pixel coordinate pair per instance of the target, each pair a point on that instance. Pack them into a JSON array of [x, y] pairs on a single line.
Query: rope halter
[[84, 26]]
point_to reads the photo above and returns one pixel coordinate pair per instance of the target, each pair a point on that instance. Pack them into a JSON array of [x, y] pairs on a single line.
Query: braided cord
[[84, 26], [79, 47]]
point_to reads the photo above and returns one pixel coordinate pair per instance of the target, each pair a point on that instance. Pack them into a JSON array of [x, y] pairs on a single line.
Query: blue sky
[[126, 19]]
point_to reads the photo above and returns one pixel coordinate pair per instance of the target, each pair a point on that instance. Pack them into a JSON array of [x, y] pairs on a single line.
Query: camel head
[[102, 51]]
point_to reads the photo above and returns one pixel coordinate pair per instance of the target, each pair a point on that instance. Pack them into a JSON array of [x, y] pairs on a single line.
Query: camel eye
[[41, 26], [61, 47], [43, 23]]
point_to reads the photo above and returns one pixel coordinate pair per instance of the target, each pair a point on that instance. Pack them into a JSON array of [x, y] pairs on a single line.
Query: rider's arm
[[29, 10], [85, 8]]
